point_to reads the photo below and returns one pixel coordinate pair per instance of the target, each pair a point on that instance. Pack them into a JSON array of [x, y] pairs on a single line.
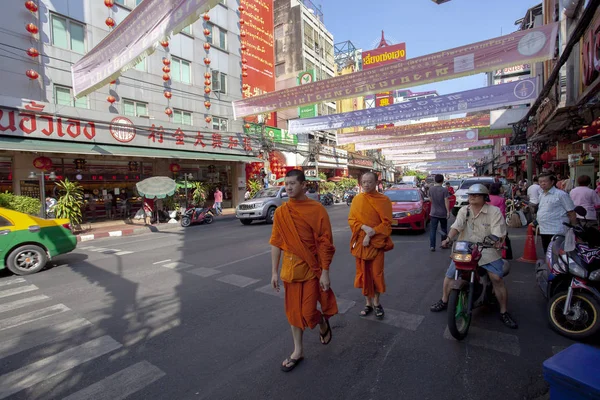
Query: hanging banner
[[445, 137], [449, 155], [438, 147], [487, 133], [486, 98], [526, 46], [133, 39], [474, 121], [384, 55]]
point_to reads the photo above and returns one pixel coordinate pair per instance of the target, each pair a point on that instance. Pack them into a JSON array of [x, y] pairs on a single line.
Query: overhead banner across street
[[445, 137], [526, 46], [486, 98]]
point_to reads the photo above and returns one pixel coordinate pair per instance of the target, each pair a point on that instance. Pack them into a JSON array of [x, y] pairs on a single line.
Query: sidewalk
[[98, 230]]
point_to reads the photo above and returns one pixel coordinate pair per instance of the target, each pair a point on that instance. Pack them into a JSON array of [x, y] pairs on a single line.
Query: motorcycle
[[349, 196], [472, 286], [327, 199], [570, 280], [190, 216]]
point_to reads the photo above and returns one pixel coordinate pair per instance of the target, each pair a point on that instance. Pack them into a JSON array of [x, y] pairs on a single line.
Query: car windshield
[[469, 183], [264, 193], [454, 183], [406, 196]]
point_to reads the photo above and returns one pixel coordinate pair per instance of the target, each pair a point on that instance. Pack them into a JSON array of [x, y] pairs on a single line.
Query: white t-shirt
[[534, 193]]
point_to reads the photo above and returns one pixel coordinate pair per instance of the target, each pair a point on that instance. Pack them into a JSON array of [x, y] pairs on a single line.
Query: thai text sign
[[445, 137], [384, 55], [514, 150], [275, 134], [563, 149], [437, 147], [526, 46], [486, 98], [448, 155], [133, 39]]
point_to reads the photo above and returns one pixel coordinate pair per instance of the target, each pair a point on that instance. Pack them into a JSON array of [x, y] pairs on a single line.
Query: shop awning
[[49, 146]]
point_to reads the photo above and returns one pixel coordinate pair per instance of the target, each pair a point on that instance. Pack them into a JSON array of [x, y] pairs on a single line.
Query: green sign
[[277, 135], [481, 147], [488, 133], [304, 78]]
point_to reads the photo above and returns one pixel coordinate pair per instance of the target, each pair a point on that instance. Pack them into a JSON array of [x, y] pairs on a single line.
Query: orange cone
[[529, 254]]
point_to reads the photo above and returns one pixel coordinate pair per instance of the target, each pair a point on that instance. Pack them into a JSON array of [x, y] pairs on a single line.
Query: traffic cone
[[529, 254]]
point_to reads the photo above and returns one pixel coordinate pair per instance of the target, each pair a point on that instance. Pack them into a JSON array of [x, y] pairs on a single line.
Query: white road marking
[[203, 272], [161, 262], [35, 315], [85, 238], [7, 282], [107, 251], [120, 385], [19, 290], [242, 259], [268, 289], [39, 337], [177, 265], [237, 280], [13, 305], [399, 319], [492, 340], [32, 374], [123, 253], [344, 305]]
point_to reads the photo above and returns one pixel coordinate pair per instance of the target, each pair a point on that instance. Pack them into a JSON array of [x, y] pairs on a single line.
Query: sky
[[424, 26]]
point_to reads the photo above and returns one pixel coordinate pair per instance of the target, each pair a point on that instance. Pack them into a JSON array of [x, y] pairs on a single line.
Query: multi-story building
[[155, 119]]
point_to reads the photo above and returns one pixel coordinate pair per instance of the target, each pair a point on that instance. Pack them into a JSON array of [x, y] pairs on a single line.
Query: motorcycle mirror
[[582, 212]]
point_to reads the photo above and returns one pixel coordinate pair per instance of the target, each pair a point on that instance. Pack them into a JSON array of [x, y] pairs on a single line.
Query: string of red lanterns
[[207, 74], [111, 23], [33, 29]]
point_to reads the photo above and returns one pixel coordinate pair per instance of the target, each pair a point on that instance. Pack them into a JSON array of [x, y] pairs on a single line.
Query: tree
[[70, 203], [418, 174]]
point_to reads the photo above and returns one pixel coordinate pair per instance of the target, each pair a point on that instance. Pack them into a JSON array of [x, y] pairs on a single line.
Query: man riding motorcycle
[[473, 223]]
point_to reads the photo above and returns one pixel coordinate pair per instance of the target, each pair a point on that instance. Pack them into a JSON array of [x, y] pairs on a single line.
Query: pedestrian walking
[[533, 193], [218, 201], [440, 210], [302, 230], [586, 197], [555, 208], [370, 220]]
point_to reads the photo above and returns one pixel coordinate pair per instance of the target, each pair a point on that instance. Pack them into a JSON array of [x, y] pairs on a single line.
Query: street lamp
[[42, 176], [187, 176]]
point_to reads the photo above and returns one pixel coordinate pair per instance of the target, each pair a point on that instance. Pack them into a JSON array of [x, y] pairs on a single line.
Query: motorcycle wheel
[[458, 319], [185, 222], [208, 219], [348, 202], [584, 321]]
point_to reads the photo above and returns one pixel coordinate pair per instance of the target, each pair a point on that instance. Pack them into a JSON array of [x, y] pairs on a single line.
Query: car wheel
[[246, 221], [270, 215], [26, 260]]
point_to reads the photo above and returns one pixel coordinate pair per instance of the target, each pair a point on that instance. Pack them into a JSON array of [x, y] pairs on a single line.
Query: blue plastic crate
[[574, 373]]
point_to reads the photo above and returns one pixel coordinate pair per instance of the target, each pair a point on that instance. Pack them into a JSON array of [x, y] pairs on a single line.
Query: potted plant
[[199, 194], [70, 202], [253, 187]]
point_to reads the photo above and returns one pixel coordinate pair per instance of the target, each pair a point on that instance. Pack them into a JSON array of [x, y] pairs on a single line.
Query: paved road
[[188, 314]]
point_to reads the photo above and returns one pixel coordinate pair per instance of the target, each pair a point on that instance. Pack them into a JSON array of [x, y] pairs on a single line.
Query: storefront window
[[5, 174], [213, 175]]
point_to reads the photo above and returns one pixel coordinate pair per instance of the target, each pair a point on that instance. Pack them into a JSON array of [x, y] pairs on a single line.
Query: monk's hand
[[324, 281], [368, 230], [366, 240], [275, 282]]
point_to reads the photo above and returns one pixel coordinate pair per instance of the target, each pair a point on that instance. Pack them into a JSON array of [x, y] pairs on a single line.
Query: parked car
[[410, 209], [462, 199], [264, 203], [27, 243]]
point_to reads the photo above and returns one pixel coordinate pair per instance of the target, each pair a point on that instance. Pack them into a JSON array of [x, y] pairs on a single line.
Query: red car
[[410, 209]]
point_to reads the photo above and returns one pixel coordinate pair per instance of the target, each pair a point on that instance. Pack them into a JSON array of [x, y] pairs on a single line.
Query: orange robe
[[301, 228], [375, 211]]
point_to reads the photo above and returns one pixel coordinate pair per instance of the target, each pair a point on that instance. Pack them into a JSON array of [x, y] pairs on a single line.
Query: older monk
[[301, 229], [371, 222]]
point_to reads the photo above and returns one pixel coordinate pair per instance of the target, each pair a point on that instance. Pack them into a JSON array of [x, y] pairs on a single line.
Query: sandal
[[293, 364], [438, 306], [379, 313], [366, 311], [327, 332]]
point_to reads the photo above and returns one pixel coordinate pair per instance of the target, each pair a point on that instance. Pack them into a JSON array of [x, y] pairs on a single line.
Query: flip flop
[[293, 362], [327, 332]]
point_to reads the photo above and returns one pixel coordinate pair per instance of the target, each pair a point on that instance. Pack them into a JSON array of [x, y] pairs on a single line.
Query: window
[[63, 96], [219, 124], [141, 66], [135, 108], [68, 34], [280, 70], [309, 40], [219, 82], [187, 30], [129, 3], [181, 70], [5, 222], [182, 117], [218, 37]]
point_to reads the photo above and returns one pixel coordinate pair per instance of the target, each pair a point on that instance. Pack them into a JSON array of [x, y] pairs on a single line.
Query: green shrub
[[24, 204]]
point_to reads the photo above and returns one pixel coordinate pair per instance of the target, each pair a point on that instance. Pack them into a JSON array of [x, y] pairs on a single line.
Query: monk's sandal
[[379, 313], [366, 311]]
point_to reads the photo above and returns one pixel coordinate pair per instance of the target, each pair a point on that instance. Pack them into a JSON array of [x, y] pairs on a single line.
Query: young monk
[[370, 220], [301, 228]]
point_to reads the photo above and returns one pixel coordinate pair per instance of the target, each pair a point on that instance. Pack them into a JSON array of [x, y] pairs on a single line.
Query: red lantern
[[208, 120], [110, 22], [247, 126], [31, 6], [241, 8], [42, 163], [169, 112], [113, 82], [207, 104], [207, 89], [244, 74], [553, 152], [244, 61], [545, 157], [596, 123], [166, 69], [245, 86], [32, 74], [164, 43], [166, 61], [207, 46], [207, 32], [243, 33], [32, 28], [585, 131], [207, 75], [109, 3], [166, 77], [242, 22], [546, 165], [174, 167], [243, 47], [207, 82], [168, 94], [207, 61], [244, 67], [111, 99], [206, 17], [32, 52]]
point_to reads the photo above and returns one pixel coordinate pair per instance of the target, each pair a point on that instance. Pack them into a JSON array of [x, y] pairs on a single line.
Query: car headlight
[[414, 212], [461, 257], [396, 215], [577, 270]]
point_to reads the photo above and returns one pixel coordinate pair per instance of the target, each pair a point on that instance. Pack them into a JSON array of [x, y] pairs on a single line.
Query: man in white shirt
[[533, 192], [555, 207]]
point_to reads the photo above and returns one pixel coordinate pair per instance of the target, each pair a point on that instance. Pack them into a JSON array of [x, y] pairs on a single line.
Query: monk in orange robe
[[301, 229], [370, 220]]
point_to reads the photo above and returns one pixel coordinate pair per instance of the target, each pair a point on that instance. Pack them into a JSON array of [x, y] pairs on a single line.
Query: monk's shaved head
[[300, 177], [373, 174]]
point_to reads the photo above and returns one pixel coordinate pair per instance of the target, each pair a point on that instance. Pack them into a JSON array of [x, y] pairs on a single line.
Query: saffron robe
[[301, 228], [373, 210]]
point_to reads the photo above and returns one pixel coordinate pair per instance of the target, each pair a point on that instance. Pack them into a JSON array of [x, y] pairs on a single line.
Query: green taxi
[[27, 243]]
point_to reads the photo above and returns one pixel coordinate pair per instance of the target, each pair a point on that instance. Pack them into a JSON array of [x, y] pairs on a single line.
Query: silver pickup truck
[[263, 205]]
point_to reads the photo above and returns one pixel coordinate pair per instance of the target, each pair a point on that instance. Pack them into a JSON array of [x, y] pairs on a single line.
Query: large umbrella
[[157, 187]]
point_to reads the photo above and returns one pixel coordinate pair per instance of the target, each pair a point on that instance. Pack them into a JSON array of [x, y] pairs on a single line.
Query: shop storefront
[[358, 165], [330, 161]]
